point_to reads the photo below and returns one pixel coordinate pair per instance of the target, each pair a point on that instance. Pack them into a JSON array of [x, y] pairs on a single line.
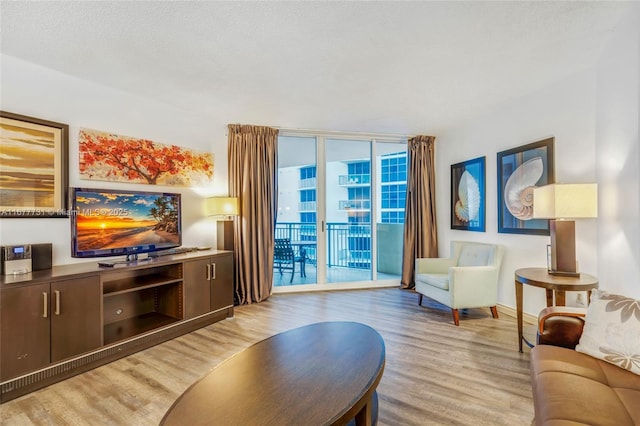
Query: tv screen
[[119, 222]]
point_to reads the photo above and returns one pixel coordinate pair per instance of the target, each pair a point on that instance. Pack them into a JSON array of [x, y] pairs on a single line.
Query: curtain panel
[[253, 172], [420, 231]]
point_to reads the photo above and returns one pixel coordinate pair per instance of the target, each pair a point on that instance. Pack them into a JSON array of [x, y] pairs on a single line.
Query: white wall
[[594, 119], [618, 165], [35, 91]]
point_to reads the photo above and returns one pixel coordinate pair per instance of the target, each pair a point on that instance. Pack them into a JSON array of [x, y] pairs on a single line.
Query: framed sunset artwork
[[34, 174]]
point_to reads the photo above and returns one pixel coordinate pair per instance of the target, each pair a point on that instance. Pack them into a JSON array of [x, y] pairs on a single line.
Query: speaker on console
[[41, 255]]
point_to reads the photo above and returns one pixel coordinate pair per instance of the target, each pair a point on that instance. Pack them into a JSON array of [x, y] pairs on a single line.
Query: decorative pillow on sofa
[[612, 330]]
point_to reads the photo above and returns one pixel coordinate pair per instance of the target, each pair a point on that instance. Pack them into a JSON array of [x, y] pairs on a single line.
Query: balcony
[[348, 256], [364, 205], [307, 206], [354, 180], [309, 183]]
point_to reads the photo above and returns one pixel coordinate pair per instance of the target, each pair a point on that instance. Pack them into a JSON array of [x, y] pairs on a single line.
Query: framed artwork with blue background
[[468, 200], [520, 170]]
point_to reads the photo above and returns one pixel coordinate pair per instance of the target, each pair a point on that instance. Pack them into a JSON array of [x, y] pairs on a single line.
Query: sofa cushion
[[571, 388], [474, 255], [435, 280], [612, 330]]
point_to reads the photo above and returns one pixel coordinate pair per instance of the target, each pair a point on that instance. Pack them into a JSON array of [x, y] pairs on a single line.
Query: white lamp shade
[[222, 206], [565, 201]]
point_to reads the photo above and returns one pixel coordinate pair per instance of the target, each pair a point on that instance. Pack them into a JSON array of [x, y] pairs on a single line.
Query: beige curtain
[[420, 232], [253, 172]]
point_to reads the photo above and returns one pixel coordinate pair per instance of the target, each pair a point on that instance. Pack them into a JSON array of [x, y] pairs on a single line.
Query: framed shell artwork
[[468, 206], [519, 171]]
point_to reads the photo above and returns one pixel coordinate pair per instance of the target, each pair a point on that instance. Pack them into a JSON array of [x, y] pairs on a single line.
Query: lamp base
[[225, 235], [563, 248]]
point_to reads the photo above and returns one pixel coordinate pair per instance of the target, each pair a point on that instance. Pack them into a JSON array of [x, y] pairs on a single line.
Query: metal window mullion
[[373, 213], [321, 211]]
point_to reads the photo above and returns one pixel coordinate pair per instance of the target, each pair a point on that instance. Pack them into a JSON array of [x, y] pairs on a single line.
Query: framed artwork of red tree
[[109, 157]]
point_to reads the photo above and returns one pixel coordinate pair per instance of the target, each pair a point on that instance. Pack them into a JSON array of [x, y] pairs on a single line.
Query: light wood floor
[[435, 373]]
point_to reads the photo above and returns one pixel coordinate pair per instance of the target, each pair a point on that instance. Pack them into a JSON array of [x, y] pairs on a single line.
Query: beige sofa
[[572, 388]]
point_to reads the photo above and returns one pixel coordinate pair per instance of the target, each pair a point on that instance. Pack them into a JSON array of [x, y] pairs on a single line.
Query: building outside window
[[393, 187]]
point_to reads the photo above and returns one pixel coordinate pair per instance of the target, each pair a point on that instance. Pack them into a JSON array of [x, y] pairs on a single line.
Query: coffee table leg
[[519, 312], [363, 418]]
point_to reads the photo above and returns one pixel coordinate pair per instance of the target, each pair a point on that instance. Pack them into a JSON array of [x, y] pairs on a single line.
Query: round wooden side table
[[554, 285]]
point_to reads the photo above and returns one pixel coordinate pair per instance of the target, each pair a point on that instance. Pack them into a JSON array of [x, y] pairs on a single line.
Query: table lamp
[[224, 208], [561, 203]]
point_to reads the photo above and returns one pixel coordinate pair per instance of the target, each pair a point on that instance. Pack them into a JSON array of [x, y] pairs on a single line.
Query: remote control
[[105, 264]]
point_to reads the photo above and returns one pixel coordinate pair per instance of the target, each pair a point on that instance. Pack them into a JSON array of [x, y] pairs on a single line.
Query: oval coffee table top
[[317, 374]]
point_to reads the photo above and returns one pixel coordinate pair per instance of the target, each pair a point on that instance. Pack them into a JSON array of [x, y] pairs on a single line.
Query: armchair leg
[[494, 311], [456, 317], [419, 299]]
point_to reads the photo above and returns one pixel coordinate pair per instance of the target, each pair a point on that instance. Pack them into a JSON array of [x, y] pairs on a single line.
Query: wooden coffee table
[[324, 373]]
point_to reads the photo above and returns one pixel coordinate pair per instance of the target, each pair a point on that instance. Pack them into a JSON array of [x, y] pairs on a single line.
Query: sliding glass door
[[348, 210], [296, 224], [340, 210]]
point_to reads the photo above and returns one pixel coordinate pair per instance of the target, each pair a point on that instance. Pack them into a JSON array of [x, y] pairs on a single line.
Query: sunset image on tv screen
[[117, 220]]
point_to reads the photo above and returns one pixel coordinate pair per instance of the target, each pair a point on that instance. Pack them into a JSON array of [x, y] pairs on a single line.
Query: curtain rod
[[341, 133]]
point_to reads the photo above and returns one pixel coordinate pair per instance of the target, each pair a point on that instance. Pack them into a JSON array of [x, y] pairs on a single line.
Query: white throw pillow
[[612, 330]]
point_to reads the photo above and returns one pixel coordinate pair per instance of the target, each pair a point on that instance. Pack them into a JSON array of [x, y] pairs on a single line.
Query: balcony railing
[[354, 180], [307, 183], [307, 206], [354, 204], [348, 245]]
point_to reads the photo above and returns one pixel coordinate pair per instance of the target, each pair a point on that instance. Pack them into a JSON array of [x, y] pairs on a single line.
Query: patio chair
[[284, 258]]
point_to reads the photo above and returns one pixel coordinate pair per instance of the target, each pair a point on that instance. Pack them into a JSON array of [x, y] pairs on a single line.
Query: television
[[106, 222]]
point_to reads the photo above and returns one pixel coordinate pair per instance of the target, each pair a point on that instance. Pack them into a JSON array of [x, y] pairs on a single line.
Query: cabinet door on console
[[197, 288], [76, 320], [24, 323], [222, 281]]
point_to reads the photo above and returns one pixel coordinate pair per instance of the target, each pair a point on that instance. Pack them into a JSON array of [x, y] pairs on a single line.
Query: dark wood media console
[[57, 323]]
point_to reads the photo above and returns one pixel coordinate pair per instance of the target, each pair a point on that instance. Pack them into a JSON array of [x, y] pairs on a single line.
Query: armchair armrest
[[433, 265], [473, 286], [560, 326]]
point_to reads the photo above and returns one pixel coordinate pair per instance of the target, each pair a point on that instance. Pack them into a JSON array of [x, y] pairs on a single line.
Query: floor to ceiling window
[[340, 209]]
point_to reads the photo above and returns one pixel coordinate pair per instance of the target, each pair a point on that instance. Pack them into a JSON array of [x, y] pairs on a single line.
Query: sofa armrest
[[433, 265], [560, 326]]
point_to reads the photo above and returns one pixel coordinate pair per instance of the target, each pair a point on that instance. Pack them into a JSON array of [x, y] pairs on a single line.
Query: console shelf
[[133, 280], [131, 327], [124, 286], [140, 300]]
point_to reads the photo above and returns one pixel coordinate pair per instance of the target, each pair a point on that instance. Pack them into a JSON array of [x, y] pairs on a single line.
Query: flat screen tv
[[107, 222]]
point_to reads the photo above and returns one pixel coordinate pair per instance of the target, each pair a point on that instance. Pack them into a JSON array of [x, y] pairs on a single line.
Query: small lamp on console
[[224, 208], [561, 203]]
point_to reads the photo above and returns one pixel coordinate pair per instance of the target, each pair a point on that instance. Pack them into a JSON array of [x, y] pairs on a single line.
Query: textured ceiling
[[401, 67]]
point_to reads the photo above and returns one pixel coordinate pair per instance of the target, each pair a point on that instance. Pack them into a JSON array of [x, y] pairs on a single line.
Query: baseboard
[[511, 312]]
